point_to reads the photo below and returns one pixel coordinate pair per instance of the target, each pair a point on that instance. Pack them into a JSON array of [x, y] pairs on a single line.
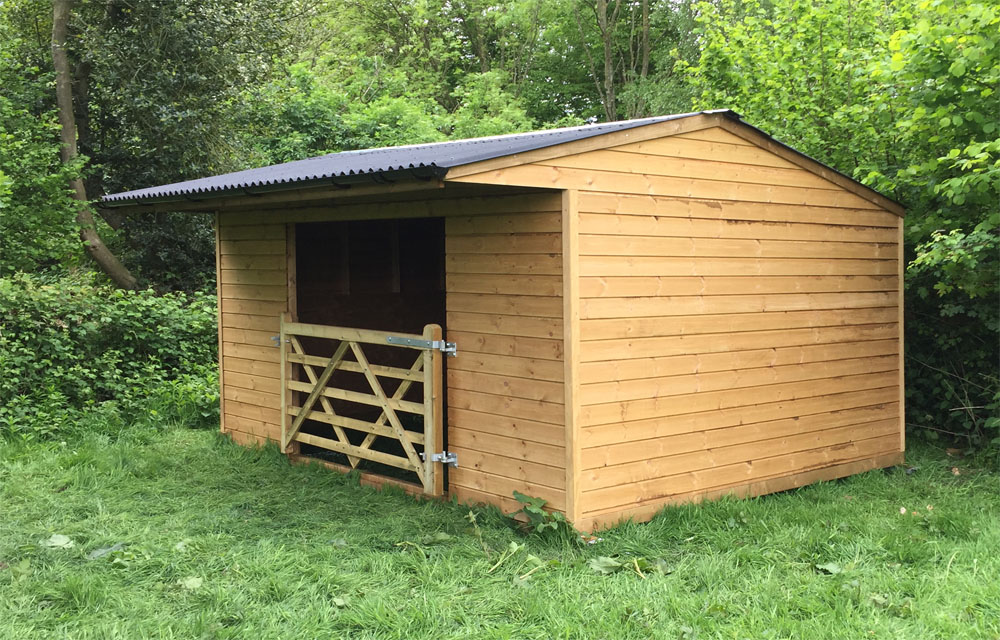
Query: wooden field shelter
[[613, 317]]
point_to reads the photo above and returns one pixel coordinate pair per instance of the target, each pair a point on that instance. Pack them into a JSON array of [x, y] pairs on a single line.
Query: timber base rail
[[318, 390]]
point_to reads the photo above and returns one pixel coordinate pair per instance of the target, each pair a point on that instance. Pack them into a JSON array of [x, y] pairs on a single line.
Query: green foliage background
[[902, 95]]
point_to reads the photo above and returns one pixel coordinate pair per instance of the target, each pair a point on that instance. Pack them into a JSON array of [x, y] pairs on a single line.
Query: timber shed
[[612, 317]]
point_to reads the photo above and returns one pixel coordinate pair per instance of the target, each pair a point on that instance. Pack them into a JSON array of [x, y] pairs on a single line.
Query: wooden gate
[[309, 378]]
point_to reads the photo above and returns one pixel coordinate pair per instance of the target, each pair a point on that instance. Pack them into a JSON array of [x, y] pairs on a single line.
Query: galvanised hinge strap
[[445, 457], [448, 348]]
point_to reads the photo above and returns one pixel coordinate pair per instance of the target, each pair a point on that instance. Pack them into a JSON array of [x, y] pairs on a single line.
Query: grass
[[225, 542]]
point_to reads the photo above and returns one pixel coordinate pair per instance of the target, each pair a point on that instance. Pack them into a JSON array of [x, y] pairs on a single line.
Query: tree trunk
[[64, 100], [607, 29]]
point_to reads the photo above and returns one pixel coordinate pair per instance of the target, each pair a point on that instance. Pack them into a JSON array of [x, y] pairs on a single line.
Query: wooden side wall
[[253, 293], [505, 388], [739, 322]]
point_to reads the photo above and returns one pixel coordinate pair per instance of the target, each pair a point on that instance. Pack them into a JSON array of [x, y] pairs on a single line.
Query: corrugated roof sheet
[[384, 164]]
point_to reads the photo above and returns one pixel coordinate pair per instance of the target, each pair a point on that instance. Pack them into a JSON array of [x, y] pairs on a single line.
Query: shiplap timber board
[[538, 306], [507, 325], [511, 448], [736, 474], [506, 385], [607, 224], [666, 207], [654, 286], [634, 348], [607, 266], [523, 243], [518, 346], [510, 426], [534, 410], [491, 463], [711, 419], [530, 368], [705, 439], [652, 468], [611, 328], [665, 246], [667, 306], [494, 485], [505, 264], [663, 386], [690, 148], [645, 510], [615, 412], [549, 286], [692, 364], [638, 162]]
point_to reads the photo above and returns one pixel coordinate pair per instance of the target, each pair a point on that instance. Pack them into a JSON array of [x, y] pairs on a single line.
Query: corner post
[[571, 349]]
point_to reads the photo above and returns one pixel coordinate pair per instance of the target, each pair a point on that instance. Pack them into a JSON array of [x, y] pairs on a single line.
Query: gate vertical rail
[[433, 408]]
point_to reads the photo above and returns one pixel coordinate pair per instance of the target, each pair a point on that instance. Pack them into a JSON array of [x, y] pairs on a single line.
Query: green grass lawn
[[224, 542]]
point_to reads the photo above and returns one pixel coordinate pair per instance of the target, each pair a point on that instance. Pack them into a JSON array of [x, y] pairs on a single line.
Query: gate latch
[[445, 457], [447, 348]]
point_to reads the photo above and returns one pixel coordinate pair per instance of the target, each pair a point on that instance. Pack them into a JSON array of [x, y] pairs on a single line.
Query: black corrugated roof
[[387, 164]]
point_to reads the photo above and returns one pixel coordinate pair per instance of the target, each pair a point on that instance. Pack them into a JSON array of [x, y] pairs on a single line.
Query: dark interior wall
[[386, 275]]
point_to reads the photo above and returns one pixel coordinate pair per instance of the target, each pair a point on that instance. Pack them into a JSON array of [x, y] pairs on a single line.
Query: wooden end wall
[[253, 293], [739, 322]]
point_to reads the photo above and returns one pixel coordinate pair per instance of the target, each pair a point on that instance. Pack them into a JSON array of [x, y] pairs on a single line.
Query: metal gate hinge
[[277, 340], [445, 457], [447, 348]]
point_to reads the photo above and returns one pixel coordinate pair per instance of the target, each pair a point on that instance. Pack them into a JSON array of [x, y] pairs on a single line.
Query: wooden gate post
[[433, 409]]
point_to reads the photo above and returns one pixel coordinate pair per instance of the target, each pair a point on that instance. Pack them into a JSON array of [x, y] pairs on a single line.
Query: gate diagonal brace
[[447, 348]]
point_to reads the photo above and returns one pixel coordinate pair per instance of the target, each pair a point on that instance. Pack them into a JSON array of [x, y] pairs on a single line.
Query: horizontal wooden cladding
[[734, 475], [495, 485], [631, 160], [507, 426], [271, 232], [546, 222], [652, 468], [251, 321], [712, 208], [507, 325], [255, 368], [496, 464], [253, 276], [251, 382], [605, 245], [694, 149], [605, 179], [539, 306], [712, 418], [504, 264], [274, 247], [249, 337], [631, 451], [414, 206], [646, 408], [608, 266], [522, 347], [506, 385], [257, 292], [715, 134], [700, 382], [251, 352], [252, 427], [268, 414], [626, 349], [267, 308], [530, 368], [504, 284], [523, 243], [243, 262], [659, 226], [693, 364], [533, 410], [653, 286], [646, 510], [511, 450], [738, 473], [611, 328], [666, 306]]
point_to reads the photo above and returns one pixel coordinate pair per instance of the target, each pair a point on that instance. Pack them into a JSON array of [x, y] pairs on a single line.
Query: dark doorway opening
[[383, 275]]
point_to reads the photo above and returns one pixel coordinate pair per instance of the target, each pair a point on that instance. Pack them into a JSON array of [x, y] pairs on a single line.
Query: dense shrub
[[69, 349]]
